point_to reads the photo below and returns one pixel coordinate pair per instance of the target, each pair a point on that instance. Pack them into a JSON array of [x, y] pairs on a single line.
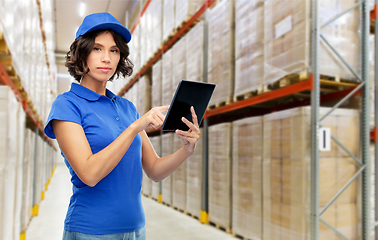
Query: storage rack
[[313, 84]]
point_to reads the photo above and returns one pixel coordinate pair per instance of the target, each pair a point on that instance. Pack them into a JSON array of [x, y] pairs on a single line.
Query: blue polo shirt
[[114, 205]]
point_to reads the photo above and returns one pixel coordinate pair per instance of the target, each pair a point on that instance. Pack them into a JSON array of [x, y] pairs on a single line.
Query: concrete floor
[[163, 223]]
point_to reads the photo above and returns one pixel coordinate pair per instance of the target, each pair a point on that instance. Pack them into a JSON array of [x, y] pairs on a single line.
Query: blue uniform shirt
[[114, 205]]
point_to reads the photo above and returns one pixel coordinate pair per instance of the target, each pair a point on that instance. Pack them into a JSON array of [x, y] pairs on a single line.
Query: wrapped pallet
[[156, 84], [167, 89], [194, 180], [178, 63], [195, 53], [179, 179], [144, 96], [167, 149], [220, 175], [247, 198], [221, 51], [168, 18], [286, 174], [249, 46], [287, 33], [155, 186], [18, 210], [185, 9], [8, 161]]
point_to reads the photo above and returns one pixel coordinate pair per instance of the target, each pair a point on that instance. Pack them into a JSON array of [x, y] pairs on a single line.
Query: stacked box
[[247, 198], [167, 149], [287, 33], [156, 84], [144, 96], [178, 62], [220, 174], [155, 186], [195, 53], [221, 51], [133, 94], [167, 89], [286, 174], [249, 46], [179, 179], [194, 180], [185, 9], [168, 18]]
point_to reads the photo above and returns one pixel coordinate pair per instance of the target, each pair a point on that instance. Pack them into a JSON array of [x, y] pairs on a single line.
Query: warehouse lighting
[[81, 9]]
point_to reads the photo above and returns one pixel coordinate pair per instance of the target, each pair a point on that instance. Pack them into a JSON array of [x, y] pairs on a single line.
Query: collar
[[88, 94]]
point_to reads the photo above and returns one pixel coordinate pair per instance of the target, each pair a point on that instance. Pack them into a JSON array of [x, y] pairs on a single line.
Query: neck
[[96, 86]]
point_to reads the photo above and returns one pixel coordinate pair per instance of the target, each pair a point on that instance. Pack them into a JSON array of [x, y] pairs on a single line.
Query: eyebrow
[[103, 45]]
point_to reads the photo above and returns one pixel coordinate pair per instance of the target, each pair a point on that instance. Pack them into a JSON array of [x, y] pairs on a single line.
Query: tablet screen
[[188, 93]]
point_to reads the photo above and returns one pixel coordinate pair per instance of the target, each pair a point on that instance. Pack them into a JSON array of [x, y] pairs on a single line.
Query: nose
[[106, 57]]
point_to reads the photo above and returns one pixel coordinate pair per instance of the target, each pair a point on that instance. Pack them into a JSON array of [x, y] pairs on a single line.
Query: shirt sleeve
[[62, 109]]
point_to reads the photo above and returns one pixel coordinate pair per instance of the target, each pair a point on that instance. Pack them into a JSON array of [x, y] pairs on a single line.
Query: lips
[[104, 69]]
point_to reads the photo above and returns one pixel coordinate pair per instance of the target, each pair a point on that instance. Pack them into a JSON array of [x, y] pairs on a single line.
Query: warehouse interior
[[288, 141]]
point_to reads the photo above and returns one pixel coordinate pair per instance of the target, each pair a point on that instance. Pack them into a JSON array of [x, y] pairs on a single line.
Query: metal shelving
[[313, 85]]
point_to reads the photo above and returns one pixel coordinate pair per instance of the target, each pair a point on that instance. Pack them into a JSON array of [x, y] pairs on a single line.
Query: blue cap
[[104, 20]]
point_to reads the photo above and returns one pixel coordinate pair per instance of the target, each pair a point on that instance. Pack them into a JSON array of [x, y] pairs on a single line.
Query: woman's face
[[103, 60]]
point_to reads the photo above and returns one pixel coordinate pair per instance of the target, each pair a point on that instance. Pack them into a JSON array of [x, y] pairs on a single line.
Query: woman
[[102, 137]]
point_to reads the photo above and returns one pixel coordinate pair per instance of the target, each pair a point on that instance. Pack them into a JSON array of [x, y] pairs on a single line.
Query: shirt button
[[111, 108], [117, 118]]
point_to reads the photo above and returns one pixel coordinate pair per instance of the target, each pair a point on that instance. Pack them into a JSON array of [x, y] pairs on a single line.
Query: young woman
[[102, 137]]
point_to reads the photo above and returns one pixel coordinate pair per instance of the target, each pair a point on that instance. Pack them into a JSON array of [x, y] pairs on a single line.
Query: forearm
[[99, 165], [166, 165]]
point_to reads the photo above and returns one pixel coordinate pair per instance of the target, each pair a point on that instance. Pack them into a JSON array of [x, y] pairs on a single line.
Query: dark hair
[[76, 58]]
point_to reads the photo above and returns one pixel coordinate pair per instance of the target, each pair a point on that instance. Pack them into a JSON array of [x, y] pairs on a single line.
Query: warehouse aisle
[[162, 222]]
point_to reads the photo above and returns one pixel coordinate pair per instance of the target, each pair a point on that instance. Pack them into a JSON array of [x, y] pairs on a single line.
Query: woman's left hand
[[191, 136]]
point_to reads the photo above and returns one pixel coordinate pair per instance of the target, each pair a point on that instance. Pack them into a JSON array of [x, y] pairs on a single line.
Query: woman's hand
[[191, 136], [153, 118]]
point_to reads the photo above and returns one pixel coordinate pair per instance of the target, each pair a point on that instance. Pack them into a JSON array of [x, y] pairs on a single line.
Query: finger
[[163, 108], [187, 135], [191, 126], [194, 117]]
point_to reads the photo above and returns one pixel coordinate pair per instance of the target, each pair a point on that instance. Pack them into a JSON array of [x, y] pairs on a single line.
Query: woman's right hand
[[153, 118]]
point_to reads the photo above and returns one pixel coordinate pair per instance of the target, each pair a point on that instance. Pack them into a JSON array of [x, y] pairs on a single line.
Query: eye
[[115, 50], [96, 49]]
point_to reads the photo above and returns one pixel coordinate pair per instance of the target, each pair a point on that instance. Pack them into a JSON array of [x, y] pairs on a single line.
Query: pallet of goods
[[179, 180], [249, 47], [167, 149], [194, 180], [194, 53], [247, 176], [287, 171], [156, 84], [287, 34], [155, 186], [178, 63], [220, 144], [221, 52]]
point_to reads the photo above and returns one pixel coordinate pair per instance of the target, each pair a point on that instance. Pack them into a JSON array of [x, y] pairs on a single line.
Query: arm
[[89, 167], [159, 168]]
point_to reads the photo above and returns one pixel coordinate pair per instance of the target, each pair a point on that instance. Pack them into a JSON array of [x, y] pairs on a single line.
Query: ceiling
[[68, 15]]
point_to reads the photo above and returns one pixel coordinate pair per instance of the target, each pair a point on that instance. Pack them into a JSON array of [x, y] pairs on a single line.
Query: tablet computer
[[188, 93]]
